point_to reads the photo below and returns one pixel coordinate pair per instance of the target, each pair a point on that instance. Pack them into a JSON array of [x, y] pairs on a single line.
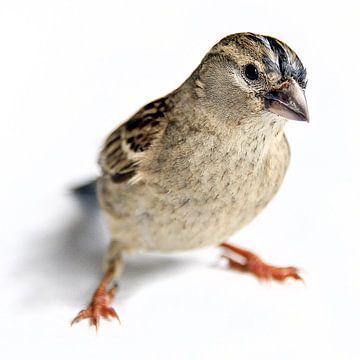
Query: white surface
[[72, 70]]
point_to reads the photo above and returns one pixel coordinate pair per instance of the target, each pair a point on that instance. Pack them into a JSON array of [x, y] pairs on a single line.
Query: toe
[[112, 313], [282, 273], [83, 314], [94, 321]]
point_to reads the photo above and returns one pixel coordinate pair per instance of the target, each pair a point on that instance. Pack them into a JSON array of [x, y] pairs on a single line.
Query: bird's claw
[[252, 263], [98, 308], [264, 271]]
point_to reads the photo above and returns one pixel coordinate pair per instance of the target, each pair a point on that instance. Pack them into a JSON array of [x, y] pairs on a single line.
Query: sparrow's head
[[253, 76]]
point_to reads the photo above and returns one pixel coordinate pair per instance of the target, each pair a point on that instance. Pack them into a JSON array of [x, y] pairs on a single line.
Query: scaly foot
[[100, 304], [253, 264]]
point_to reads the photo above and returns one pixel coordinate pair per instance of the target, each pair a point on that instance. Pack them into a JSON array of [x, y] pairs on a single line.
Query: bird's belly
[[198, 229], [167, 223], [195, 212], [198, 226], [193, 222]]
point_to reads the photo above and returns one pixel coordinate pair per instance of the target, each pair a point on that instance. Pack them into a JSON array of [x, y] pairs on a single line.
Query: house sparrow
[[190, 169]]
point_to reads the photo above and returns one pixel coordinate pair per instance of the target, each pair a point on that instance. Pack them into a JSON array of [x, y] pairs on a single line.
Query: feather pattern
[[126, 146]]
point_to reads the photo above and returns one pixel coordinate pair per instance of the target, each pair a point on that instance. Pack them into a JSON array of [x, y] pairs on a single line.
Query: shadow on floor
[[67, 263]]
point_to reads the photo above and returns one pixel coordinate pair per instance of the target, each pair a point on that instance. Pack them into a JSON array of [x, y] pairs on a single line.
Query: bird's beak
[[288, 101]]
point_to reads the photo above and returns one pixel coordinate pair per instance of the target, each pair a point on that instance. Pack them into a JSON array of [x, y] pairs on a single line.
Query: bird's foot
[[99, 307], [100, 303], [249, 262]]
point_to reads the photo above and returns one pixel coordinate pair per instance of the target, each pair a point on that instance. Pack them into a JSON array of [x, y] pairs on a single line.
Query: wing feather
[[127, 144]]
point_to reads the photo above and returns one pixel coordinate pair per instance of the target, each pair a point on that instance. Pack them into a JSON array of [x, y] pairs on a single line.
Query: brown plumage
[[122, 150], [190, 169]]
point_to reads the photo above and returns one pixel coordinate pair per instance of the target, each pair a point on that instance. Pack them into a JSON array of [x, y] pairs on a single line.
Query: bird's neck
[[256, 137], [250, 137]]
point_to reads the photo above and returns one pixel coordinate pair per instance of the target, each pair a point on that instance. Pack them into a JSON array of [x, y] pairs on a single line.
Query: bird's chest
[[210, 169], [214, 192], [227, 189]]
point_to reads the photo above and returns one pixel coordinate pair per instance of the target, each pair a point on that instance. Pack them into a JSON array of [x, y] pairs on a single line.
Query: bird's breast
[[196, 196], [210, 195]]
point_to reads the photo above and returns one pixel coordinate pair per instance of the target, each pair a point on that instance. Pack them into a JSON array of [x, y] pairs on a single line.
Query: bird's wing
[[126, 146]]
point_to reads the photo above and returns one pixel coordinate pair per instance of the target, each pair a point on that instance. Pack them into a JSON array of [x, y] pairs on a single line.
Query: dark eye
[[251, 72]]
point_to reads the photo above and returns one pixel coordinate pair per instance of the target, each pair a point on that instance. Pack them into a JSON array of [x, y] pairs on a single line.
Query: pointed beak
[[288, 101]]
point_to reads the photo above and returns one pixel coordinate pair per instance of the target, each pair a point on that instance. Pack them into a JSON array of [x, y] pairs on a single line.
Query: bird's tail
[[85, 196], [86, 190]]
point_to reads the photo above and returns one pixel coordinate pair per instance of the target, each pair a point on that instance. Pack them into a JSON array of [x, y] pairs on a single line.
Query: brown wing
[[127, 144]]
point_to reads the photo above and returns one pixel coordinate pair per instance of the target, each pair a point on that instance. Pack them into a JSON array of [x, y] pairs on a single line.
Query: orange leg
[[100, 304], [253, 264]]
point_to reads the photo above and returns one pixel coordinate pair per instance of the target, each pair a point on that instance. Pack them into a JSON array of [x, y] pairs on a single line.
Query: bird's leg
[[102, 297], [249, 262]]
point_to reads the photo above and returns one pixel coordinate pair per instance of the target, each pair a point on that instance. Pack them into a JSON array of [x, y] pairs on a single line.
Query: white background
[[70, 71]]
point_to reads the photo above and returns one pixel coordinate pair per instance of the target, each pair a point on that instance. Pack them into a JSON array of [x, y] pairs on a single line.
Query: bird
[[192, 168]]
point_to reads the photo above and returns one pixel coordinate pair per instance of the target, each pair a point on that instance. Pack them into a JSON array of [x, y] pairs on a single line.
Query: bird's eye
[[251, 72]]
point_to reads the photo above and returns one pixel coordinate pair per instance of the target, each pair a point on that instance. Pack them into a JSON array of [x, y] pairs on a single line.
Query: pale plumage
[[192, 168]]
